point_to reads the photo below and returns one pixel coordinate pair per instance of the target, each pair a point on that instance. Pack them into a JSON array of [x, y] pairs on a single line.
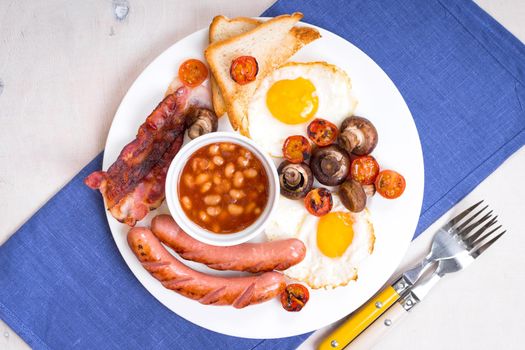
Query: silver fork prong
[[472, 241], [476, 251], [474, 236], [469, 220], [461, 215], [464, 232]]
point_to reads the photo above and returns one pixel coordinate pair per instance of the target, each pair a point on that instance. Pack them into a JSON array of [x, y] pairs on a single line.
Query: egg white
[[334, 92], [318, 270]]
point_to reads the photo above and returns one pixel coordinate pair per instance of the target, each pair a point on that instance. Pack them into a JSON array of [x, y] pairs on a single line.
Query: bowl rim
[[196, 231]]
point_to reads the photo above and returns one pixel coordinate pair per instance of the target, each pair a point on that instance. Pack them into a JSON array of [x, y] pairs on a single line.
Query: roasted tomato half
[[244, 69], [364, 170], [294, 297], [318, 201], [322, 132], [390, 184], [297, 149], [192, 72]]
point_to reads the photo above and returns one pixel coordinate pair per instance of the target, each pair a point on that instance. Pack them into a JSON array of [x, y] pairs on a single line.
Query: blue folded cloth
[[64, 284]]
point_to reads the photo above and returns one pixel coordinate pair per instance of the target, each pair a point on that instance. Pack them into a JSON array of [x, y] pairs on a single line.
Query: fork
[[443, 243], [473, 245], [454, 247]]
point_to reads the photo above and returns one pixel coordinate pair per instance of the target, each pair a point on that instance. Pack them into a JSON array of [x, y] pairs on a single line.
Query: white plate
[[394, 220]]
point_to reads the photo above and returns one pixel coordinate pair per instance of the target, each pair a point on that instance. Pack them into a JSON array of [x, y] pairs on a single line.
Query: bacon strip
[[149, 193], [135, 181]]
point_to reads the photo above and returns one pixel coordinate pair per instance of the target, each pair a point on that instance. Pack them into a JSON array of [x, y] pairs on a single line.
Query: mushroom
[[296, 179], [201, 121], [330, 165], [370, 190], [352, 195], [358, 136]]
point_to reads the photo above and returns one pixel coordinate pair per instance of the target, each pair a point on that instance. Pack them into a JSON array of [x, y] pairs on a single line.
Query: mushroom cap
[[201, 121], [330, 165], [358, 135], [296, 180], [352, 196]]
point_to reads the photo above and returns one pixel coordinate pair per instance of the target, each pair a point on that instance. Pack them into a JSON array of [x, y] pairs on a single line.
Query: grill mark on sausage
[[244, 299], [176, 282], [214, 290], [212, 297]]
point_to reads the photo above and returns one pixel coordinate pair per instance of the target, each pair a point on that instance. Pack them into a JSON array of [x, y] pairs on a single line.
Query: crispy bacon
[[136, 179], [149, 193]]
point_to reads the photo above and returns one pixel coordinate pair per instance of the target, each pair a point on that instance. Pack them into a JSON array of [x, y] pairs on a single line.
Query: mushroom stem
[[358, 135], [330, 165], [351, 138], [370, 190], [201, 121], [292, 177], [296, 180], [196, 130]]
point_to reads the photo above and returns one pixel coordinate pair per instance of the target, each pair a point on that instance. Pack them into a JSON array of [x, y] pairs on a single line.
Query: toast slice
[[272, 43], [222, 28]]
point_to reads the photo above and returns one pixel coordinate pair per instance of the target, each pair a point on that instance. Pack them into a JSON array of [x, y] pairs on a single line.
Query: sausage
[[250, 257], [206, 289]]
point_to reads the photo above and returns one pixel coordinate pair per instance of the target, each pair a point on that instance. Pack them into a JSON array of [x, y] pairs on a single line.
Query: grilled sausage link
[[206, 289], [250, 257]]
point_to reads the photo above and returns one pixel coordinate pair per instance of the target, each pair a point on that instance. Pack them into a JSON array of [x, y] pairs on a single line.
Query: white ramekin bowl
[[194, 230]]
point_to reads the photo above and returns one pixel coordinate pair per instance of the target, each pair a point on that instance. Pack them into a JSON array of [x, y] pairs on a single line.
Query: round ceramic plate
[[394, 221]]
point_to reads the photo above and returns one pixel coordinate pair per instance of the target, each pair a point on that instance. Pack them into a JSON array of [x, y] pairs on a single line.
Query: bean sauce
[[223, 187]]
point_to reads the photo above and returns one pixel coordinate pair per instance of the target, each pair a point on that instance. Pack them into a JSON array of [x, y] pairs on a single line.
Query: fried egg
[[336, 244], [292, 96]]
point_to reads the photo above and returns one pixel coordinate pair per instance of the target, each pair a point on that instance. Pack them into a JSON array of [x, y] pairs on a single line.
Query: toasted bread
[[271, 43], [222, 28]]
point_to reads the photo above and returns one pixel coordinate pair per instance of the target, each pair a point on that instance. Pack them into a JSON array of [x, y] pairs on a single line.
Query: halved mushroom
[[201, 121], [358, 136], [330, 165], [352, 196], [296, 179]]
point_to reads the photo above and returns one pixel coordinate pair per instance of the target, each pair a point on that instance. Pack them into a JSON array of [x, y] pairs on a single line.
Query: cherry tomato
[[322, 132], [294, 297], [297, 149], [318, 201], [244, 69], [364, 170], [192, 72], [390, 184]]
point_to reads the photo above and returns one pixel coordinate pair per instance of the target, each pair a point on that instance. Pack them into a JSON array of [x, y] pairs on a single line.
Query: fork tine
[[480, 249], [473, 240], [464, 231], [461, 215], [474, 236]]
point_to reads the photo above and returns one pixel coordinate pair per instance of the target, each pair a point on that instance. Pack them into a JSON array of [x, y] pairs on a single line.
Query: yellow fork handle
[[360, 320]]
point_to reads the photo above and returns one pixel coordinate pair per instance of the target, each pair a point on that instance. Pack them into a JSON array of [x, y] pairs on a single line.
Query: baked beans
[[223, 187]]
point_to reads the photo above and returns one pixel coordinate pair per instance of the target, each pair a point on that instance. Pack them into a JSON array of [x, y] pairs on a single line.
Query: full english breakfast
[[299, 113]]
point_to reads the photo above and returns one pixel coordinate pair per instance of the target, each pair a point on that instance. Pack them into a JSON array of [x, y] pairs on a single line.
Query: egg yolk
[[334, 233], [292, 101]]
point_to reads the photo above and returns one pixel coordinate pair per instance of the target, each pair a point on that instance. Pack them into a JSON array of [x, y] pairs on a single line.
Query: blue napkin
[[64, 284]]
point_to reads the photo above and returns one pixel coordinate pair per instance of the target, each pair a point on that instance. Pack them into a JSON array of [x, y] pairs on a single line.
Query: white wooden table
[[65, 66]]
